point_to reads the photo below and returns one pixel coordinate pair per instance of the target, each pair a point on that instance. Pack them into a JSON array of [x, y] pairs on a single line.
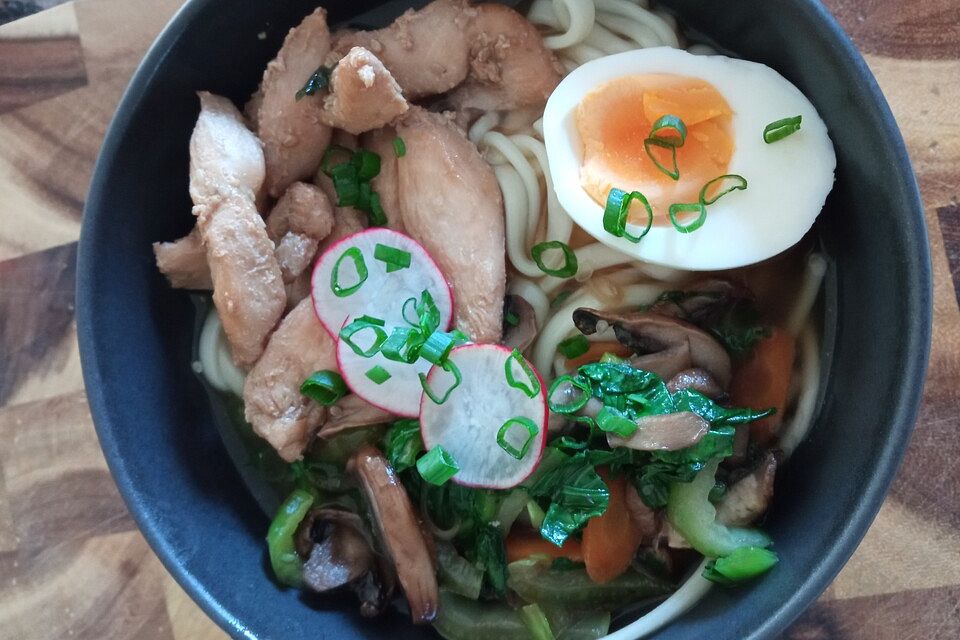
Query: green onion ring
[[437, 466], [568, 409], [449, 367], [532, 431], [378, 375], [657, 142], [669, 122], [618, 209], [530, 390], [570, 264], [399, 147], [740, 186], [683, 207], [361, 324], [354, 254]]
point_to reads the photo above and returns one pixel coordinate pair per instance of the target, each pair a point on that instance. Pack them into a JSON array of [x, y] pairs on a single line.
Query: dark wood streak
[[928, 30], [931, 614], [36, 309], [33, 70]]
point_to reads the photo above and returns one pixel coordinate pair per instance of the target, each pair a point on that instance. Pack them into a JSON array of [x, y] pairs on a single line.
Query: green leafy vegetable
[[458, 574], [537, 623], [743, 564], [403, 444], [576, 492], [490, 554]]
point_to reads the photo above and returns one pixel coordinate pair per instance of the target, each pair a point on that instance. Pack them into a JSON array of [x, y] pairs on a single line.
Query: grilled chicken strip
[[299, 221], [184, 262], [274, 405], [294, 136], [226, 172], [363, 94], [451, 204]]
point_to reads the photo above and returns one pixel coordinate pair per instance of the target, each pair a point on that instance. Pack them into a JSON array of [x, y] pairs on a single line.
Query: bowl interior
[[156, 423]]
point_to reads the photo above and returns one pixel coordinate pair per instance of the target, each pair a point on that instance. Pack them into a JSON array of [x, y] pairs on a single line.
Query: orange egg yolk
[[615, 118]]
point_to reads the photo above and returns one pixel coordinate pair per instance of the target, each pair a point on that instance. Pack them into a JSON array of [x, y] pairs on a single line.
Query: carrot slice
[[763, 381], [596, 351], [523, 544], [610, 541]]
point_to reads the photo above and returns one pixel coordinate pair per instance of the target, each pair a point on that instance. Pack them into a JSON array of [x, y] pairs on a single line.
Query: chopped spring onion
[[354, 254], [318, 80], [437, 347], [347, 186], [536, 622], [570, 265], [367, 164], [399, 147], [531, 387], [286, 562], [780, 129], [459, 337], [325, 387], [395, 259], [378, 374], [571, 403], [521, 451], [377, 216], [650, 143], [613, 421], [511, 319], [361, 324], [694, 207], [742, 564], [403, 345], [335, 156], [573, 347], [437, 466], [740, 183], [410, 317], [669, 123], [616, 212], [450, 368], [427, 313]]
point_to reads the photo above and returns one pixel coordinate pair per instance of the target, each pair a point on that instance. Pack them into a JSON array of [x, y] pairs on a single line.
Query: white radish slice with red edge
[[482, 407], [381, 294]]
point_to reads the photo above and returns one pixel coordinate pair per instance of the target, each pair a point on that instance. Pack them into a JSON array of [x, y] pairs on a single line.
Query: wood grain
[[71, 561]]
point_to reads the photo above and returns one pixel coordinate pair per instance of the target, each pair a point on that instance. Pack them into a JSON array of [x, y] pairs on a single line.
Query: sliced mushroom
[[647, 332], [339, 552], [523, 332], [699, 380], [749, 498], [399, 530], [704, 302], [669, 432], [352, 412], [643, 517], [667, 363]]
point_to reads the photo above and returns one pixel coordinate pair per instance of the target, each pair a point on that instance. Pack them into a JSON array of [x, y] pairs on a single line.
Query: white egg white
[[788, 180]]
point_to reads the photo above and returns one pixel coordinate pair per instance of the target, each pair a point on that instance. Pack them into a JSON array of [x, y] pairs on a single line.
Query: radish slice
[[469, 423], [381, 294]]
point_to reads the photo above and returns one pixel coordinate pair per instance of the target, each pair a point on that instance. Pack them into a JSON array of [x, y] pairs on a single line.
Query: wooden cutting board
[[72, 564]]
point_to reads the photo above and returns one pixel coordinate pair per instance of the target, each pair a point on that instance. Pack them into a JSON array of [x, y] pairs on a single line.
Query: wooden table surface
[[72, 563]]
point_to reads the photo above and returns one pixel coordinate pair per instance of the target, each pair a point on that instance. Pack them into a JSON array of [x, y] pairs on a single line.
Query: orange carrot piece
[[523, 544], [596, 351], [763, 381], [610, 541]]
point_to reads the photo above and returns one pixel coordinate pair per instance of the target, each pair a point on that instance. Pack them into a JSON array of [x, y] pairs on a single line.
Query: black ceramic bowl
[[156, 424]]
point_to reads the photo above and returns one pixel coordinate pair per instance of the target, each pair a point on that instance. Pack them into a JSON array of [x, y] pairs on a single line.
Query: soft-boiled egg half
[[597, 120]]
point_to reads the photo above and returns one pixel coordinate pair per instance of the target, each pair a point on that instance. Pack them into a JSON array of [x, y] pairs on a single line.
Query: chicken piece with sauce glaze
[[298, 222], [275, 408], [226, 172], [363, 95], [451, 203]]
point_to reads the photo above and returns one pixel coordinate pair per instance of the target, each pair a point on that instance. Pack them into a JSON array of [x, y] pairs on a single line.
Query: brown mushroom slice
[[352, 412], [519, 323], [647, 332], [669, 432], [338, 551], [667, 363], [749, 498], [699, 380], [642, 516], [704, 301], [399, 530]]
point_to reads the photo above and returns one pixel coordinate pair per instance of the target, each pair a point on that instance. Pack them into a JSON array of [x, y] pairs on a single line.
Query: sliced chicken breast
[[184, 262], [363, 95], [451, 204], [274, 406], [299, 221]]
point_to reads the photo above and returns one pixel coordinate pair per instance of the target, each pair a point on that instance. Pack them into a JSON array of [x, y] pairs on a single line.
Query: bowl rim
[[860, 518]]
